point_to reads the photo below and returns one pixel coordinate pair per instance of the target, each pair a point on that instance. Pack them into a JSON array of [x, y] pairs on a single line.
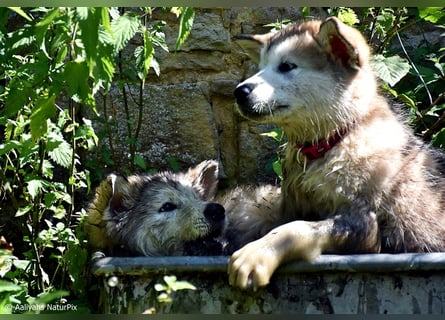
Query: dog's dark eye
[[168, 206], [286, 67]]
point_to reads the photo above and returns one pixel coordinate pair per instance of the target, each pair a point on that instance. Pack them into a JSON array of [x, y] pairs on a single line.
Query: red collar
[[318, 150]]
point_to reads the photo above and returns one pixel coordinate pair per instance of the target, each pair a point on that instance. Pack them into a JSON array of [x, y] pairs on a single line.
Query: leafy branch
[[53, 63]]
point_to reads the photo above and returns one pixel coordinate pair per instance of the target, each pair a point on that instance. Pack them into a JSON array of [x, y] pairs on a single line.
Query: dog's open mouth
[[207, 246]]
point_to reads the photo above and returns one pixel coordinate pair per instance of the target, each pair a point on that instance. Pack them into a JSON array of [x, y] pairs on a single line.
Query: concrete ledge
[[346, 284]]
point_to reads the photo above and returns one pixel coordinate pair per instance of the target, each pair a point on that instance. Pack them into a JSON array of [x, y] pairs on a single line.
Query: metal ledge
[[345, 284], [373, 263]]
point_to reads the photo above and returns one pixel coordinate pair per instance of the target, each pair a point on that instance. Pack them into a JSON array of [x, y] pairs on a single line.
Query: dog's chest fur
[[363, 164]]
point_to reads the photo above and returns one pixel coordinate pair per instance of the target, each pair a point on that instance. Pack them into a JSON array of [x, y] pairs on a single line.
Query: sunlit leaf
[[185, 26], [44, 109], [8, 286], [348, 16], [438, 139], [432, 14], [89, 35], [390, 69], [124, 28], [76, 75], [34, 187], [23, 210], [183, 285], [20, 12], [59, 151]]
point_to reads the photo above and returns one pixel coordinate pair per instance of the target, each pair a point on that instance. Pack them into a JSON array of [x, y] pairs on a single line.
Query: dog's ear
[[125, 192], [251, 44], [344, 44], [204, 178]]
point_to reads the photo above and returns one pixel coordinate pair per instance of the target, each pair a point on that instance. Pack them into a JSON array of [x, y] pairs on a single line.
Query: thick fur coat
[[163, 214], [372, 186]]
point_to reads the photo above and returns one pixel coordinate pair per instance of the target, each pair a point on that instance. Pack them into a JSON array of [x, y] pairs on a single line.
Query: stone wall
[[189, 109]]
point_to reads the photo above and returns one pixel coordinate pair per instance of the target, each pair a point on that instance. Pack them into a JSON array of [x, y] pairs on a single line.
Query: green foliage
[[346, 15], [276, 26], [185, 26], [134, 69], [172, 284], [277, 135], [390, 69], [53, 64]]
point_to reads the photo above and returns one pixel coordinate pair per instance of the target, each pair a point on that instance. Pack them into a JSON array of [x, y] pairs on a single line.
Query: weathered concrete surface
[[357, 284]]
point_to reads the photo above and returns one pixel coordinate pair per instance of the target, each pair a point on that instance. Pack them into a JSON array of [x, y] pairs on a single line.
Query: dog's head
[[158, 214], [308, 76]]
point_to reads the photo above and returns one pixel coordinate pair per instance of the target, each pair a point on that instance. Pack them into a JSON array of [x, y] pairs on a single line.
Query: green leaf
[[160, 287], [34, 187], [22, 211], [6, 261], [76, 75], [278, 168], [20, 12], [164, 298], [148, 53], [105, 19], [42, 27], [82, 13], [104, 64], [173, 163], [89, 26], [21, 264], [348, 16], [47, 297], [390, 69], [59, 150], [48, 18], [406, 99], [8, 146], [183, 285], [124, 28], [185, 25], [276, 134], [44, 109], [6, 286], [432, 14], [170, 280], [140, 162], [18, 96], [305, 11], [76, 258], [438, 139], [176, 285]]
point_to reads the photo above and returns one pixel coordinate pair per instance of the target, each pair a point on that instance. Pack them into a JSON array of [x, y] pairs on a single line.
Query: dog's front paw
[[252, 266]]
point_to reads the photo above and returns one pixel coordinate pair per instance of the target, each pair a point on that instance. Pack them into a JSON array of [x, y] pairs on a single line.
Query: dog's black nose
[[242, 92], [214, 212]]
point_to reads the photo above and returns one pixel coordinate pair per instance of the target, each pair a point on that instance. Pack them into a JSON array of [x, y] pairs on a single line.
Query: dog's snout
[[242, 92], [214, 212]]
